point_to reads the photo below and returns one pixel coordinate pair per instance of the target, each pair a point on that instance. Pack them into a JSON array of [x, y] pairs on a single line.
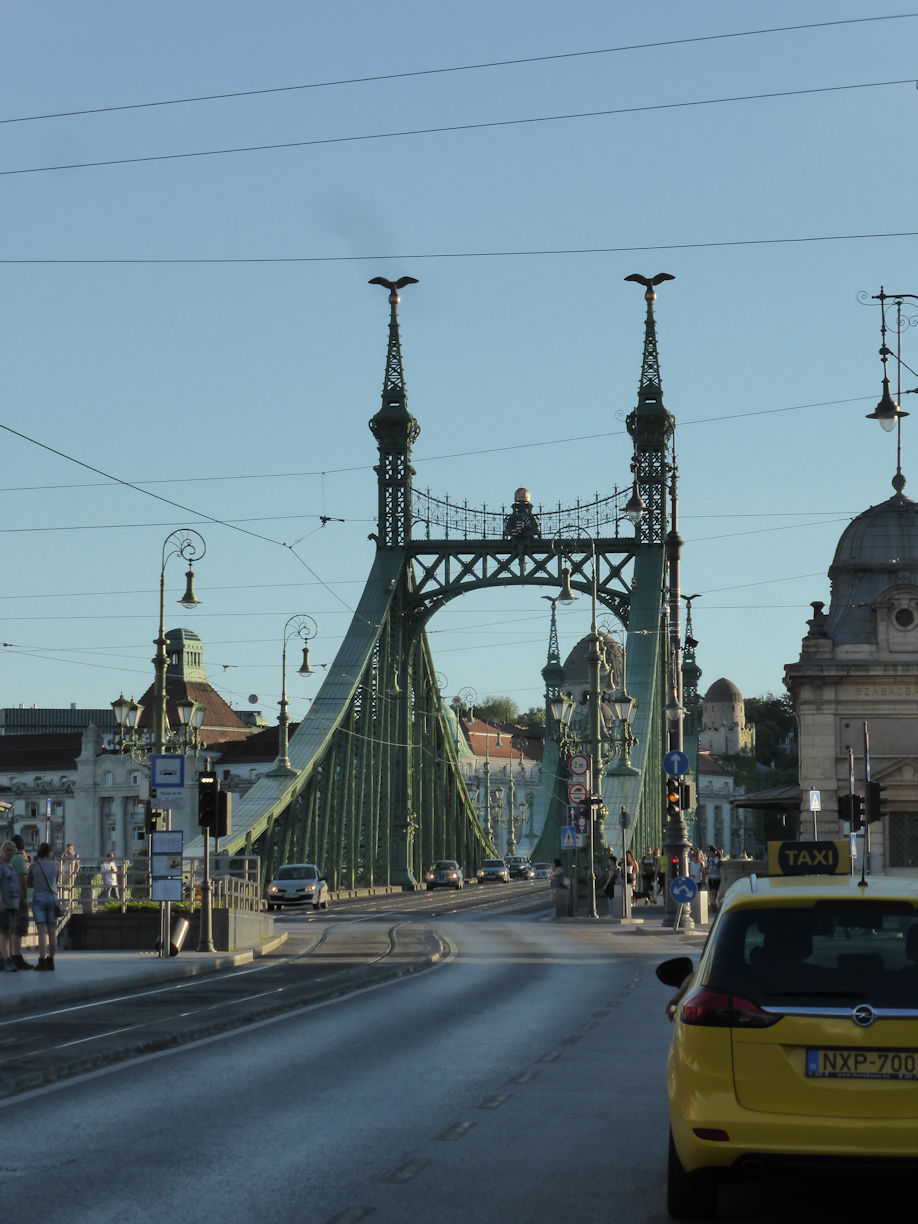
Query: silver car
[[297, 884]]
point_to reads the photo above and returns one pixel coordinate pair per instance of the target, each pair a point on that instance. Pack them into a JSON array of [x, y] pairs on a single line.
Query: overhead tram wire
[[421, 72], [505, 254], [455, 127], [199, 514]]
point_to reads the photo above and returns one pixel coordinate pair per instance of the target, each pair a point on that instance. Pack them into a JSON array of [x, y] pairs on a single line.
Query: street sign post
[[579, 764]]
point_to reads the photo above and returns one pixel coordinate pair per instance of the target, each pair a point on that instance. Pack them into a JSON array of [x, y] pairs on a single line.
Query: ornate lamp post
[[305, 628], [189, 545], [594, 658]]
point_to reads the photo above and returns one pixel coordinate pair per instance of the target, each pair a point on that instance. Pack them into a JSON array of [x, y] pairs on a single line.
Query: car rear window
[[847, 950]]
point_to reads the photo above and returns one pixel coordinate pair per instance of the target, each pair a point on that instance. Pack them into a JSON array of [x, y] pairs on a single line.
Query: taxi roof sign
[[807, 858]]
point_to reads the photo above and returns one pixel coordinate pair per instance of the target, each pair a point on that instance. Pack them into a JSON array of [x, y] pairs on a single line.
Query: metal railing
[[235, 880]]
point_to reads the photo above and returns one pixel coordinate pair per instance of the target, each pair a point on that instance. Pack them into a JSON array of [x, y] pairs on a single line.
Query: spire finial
[[394, 286], [650, 425]]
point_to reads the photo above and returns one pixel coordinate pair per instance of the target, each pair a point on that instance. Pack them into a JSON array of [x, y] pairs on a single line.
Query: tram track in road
[[73, 1039]]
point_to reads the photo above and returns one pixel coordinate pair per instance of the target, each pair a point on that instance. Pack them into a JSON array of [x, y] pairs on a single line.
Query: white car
[[297, 884], [542, 871]]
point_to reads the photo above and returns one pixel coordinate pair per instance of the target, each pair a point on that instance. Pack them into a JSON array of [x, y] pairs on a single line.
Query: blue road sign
[[683, 890], [675, 763], [568, 837]]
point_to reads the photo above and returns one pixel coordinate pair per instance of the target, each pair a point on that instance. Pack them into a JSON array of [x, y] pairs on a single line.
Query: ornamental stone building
[[859, 665]]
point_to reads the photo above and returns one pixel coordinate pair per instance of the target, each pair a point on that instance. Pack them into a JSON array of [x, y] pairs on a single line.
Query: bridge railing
[[440, 517], [236, 882]]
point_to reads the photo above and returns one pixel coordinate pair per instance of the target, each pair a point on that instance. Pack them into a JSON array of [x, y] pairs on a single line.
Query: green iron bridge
[[371, 787]]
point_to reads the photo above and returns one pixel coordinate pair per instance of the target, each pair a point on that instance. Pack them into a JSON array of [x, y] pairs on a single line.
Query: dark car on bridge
[[444, 874], [493, 869], [519, 867]]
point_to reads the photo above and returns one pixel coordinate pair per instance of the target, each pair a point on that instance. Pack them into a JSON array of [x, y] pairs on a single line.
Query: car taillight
[[720, 1009]]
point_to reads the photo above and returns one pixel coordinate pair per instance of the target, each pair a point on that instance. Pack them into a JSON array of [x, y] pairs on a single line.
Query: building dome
[[577, 667], [724, 690], [876, 551]]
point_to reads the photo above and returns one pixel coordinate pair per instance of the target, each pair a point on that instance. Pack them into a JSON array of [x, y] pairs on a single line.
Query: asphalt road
[[521, 1076]]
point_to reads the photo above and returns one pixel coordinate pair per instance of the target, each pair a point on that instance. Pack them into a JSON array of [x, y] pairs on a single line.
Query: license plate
[[862, 1064]]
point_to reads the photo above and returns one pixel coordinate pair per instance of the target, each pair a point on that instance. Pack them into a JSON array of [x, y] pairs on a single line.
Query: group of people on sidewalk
[[17, 877]]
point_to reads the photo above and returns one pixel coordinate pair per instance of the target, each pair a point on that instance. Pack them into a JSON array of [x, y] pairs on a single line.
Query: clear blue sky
[[242, 390]]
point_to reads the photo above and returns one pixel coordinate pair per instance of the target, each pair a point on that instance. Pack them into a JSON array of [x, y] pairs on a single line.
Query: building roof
[[220, 721], [259, 747], [724, 690], [708, 764], [877, 550], [53, 752], [503, 741]]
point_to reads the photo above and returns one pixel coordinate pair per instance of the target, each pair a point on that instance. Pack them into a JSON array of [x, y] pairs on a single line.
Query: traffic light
[[851, 809], [208, 800], [224, 825], [687, 795], [672, 798], [875, 802]]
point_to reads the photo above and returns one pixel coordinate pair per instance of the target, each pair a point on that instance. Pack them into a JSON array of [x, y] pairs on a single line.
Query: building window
[[903, 839]]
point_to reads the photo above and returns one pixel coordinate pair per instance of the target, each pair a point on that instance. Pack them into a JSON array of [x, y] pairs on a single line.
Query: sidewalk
[[79, 976]]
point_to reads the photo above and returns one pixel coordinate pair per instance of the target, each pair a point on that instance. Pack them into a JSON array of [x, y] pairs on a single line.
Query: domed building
[[856, 682], [723, 721], [577, 668]]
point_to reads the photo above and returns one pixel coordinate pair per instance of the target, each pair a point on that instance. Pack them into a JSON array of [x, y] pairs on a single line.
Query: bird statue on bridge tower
[[649, 282], [394, 286]]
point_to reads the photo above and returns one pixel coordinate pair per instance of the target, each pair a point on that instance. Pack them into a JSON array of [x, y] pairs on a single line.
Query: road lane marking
[[456, 1131], [406, 1171]]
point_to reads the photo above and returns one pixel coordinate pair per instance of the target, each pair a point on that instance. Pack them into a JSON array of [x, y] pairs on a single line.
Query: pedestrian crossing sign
[[568, 837]]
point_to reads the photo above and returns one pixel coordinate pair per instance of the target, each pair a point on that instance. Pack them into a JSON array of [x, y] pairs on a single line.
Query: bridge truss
[[374, 790]]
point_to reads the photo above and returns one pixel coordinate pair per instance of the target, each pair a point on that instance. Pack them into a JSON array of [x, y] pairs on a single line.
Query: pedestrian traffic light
[[208, 799], [851, 809], [875, 809], [672, 798]]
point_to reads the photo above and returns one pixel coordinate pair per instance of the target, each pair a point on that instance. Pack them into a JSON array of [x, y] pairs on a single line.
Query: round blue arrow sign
[[683, 890], [675, 763]]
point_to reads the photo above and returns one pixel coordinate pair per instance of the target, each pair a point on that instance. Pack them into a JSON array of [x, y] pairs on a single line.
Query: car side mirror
[[676, 971]]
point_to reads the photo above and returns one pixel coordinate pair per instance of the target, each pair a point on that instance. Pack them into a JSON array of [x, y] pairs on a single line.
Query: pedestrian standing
[[714, 860], [20, 863], [10, 893], [70, 869], [44, 876], [110, 876], [648, 874], [608, 884], [631, 868]]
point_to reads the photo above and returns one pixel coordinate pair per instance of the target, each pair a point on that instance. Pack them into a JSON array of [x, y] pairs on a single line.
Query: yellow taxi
[[796, 1037]]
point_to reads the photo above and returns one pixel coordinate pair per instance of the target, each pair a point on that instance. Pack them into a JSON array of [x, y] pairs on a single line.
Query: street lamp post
[[190, 545], [305, 628], [594, 658], [562, 711]]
